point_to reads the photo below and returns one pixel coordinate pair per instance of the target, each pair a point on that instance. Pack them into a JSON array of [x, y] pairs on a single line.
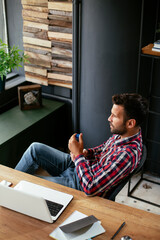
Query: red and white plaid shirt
[[108, 163]]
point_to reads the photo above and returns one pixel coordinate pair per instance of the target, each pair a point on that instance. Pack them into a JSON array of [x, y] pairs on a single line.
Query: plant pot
[[2, 84]]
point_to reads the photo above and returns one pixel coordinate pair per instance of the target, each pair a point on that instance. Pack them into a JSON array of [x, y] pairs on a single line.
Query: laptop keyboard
[[54, 208]]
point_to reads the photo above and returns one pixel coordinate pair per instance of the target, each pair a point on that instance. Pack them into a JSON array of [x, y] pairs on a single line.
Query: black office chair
[[137, 170], [111, 194]]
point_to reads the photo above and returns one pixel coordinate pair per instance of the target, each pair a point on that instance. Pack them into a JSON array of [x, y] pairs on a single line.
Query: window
[[3, 25], [7, 24]]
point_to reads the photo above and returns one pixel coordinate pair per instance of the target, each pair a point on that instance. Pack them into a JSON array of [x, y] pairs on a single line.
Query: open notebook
[[34, 200]]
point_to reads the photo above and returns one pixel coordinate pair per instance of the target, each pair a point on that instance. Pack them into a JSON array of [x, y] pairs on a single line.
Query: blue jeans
[[58, 164]]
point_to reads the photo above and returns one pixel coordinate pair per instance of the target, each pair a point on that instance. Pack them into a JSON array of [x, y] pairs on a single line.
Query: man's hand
[[85, 153], [74, 146]]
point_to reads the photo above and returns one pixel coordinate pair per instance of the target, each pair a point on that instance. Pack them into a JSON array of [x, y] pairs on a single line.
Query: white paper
[[83, 234]]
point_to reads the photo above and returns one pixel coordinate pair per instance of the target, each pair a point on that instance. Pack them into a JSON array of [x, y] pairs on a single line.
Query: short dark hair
[[135, 106]]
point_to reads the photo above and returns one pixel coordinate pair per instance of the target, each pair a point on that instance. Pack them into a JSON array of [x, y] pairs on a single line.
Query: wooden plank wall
[[47, 39]]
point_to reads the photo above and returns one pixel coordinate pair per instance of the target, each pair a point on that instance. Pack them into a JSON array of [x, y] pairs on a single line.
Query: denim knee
[[35, 146]]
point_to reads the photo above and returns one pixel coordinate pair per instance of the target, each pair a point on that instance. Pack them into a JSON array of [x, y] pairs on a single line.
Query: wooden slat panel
[[47, 37], [61, 51], [60, 84], [65, 45], [62, 13], [30, 47], [38, 56], [39, 51], [59, 29], [32, 30], [60, 23], [60, 63], [60, 36], [59, 17], [35, 14], [36, 41], [36, 79], [60, 77], [42, 34], [67, 71], [62, 6], [39, 62], [38, 20], [35, 8], [35, 70], [61, 57], [36, 25], [42, 3]]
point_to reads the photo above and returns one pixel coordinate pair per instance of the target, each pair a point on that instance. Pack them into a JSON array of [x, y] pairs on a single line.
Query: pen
[[119, 229]]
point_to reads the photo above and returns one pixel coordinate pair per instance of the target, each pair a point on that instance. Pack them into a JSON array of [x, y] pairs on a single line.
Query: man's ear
[[131, 123]]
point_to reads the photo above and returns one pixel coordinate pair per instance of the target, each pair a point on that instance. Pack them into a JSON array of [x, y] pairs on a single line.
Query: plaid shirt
[[108, 163]]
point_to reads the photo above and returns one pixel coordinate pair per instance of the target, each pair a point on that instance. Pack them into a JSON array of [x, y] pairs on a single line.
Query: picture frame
[[30, 97]]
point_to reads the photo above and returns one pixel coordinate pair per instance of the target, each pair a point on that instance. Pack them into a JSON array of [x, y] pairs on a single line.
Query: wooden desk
[[18, 129], [139, 224]]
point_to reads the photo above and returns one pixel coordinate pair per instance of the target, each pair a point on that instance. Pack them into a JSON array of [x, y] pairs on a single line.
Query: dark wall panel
[[109, 57], [152, 163]]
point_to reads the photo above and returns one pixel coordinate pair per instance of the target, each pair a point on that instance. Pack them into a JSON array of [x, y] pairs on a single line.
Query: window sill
[[14, 82]]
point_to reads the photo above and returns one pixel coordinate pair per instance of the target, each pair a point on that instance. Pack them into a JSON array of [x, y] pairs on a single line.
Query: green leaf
[[10, 58]]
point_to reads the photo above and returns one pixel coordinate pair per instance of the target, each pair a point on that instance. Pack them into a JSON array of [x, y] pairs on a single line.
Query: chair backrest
[[111, 194], [142, 161]]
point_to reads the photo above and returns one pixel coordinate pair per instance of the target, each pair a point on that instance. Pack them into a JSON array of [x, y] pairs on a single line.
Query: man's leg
[[68, 178], [58, 164], [41, 155]]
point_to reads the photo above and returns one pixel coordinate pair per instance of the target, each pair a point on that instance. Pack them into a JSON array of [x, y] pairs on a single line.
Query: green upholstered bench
[[18, 129]]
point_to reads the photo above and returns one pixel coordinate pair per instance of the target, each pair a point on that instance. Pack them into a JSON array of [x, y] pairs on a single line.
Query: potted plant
[[10, 58]]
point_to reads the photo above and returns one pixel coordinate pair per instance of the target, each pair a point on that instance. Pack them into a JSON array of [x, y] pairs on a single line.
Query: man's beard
[[121, 130]]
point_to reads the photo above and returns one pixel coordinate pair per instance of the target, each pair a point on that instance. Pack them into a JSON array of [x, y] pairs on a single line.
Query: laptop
[[34, 200]]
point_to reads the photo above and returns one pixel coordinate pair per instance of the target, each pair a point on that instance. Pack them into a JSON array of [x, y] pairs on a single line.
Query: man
[[95, 170]]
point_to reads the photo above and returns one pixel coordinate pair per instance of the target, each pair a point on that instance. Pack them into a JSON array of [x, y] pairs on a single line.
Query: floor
[[146, 190]]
